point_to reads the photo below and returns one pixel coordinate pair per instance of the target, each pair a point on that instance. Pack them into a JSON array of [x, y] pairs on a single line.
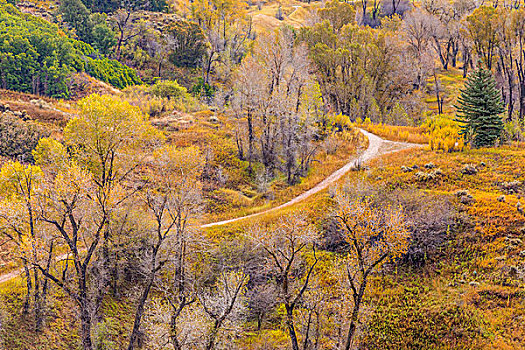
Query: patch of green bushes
[[38, 57]]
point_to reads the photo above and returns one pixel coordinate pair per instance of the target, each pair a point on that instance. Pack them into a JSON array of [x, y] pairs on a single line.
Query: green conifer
[[479, 109]]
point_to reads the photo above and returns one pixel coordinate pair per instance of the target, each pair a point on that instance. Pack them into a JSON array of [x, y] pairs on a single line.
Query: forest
[[249, 174]]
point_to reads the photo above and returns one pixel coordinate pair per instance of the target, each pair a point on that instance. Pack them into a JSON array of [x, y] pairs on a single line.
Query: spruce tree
[[479, 109]]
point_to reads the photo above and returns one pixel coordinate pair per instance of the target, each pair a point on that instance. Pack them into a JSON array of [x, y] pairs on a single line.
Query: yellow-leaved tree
[[89, 188], [20, 186]]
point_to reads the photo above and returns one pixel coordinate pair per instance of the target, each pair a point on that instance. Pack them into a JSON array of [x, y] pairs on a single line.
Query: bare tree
[[285, 244], [374, 236], [249, 100], [223, 302], [269, 90], [123, 19], [173, 197]]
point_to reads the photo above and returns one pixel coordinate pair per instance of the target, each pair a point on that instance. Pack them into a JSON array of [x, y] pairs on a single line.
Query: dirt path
[[376, 147]]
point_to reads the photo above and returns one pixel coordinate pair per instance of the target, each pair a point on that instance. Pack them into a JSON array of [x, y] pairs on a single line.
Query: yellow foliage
[[443, 134]]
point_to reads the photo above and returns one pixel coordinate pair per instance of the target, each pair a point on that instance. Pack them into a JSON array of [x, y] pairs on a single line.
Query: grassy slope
[[482, 253]]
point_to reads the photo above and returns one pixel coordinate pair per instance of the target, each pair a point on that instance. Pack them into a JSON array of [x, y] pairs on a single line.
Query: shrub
[[469, 169], [202, 89], [168, 89], [18, 138], [444, 134]]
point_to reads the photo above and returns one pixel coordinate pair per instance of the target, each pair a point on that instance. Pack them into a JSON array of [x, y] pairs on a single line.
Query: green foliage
[[479, 109], [188, 44], [108, 6], [202, 89], [103, 38], [111, 71], [105, 6], [76, 15], [168, 89], [18, 138], [37, 57]]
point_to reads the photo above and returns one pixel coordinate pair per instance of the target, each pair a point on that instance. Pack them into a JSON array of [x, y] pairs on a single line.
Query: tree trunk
[[140, 312], [37, 300], [29, 287], [355, 315], [250, 141], [39, 317], [213, 335], [85, 325], [291, 327]]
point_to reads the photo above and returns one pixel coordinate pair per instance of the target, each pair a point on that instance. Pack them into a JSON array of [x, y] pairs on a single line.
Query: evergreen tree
[[479, 109], [77, 16]]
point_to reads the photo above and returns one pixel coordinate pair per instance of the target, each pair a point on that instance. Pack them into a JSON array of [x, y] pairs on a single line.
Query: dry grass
[[410, 134]]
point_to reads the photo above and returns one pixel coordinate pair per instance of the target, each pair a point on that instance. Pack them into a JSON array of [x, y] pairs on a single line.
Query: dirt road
[[376, 147]]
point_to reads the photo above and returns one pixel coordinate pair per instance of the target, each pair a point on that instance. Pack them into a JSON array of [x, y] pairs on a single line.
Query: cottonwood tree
[[269, 90], [223, 302], [518, 28], [375, 235], [249, 102], [84, 195], [180, 282], [416, 28], [356, 66], [227, 29], [173, 198], [482, 28], [287, 66], [289, 246], [20, 186]]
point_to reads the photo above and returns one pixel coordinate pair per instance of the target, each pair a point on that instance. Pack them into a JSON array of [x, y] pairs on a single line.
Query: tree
[[85, 197], [187, 44], [249, 102], [373, 236], [77, 16], [103, 38], [479, 109], [338, 13], [286, 245], [270, 90], [18, 138], [482, 27], [173, 197], [227, 29], [20, 186], [356, 64], [126, 30], [223, 301]]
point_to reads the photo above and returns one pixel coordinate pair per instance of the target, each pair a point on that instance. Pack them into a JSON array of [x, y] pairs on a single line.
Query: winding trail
[[376, 147]]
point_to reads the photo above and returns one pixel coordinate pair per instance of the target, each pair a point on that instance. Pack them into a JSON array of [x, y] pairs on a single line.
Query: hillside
[[225, 174]]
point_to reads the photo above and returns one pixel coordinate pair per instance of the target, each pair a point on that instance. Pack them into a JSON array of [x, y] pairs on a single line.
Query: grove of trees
[[36, 57]]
